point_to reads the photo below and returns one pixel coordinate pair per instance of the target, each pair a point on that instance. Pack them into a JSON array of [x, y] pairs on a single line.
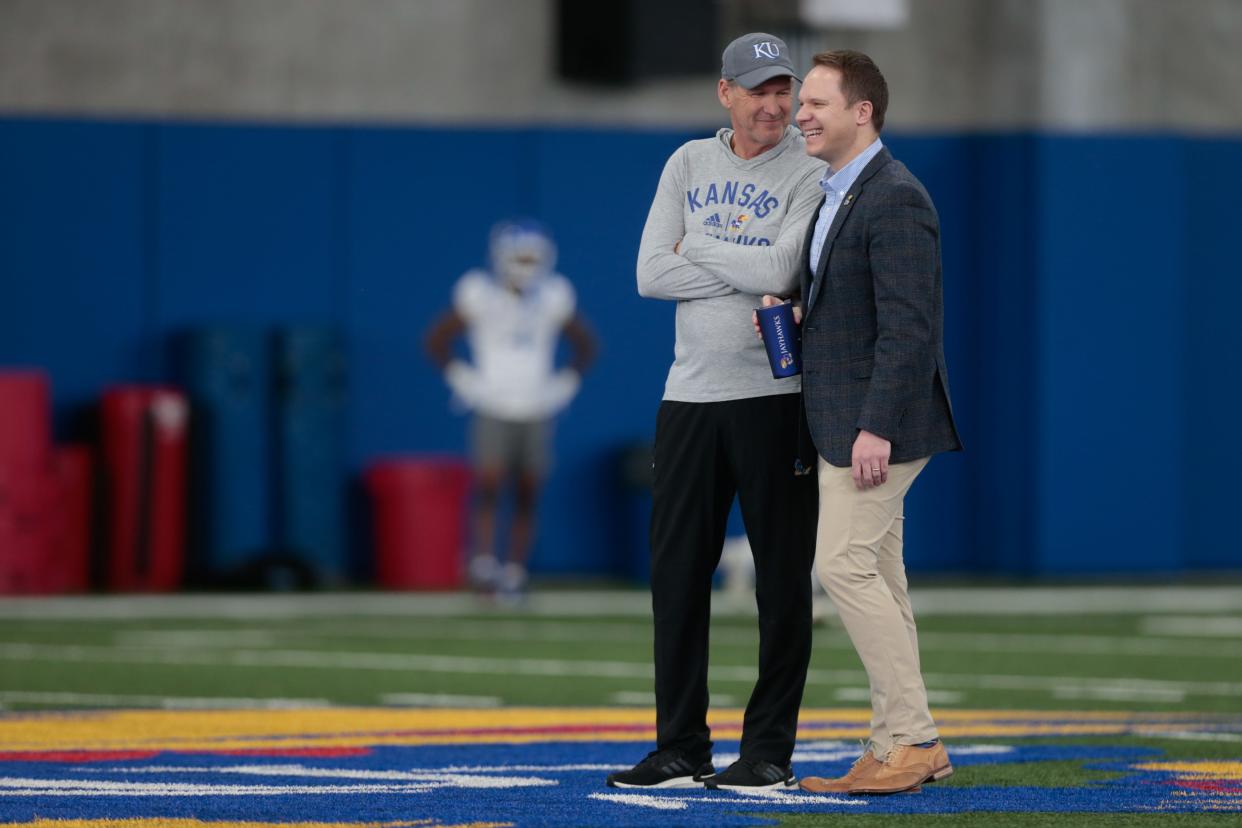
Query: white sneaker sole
[[789, 783], [675, 782]]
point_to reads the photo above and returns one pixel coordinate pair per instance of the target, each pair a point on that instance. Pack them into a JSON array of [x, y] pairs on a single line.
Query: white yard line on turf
[[1120, 693], [561, 632], [196, 638], [19, 786], [1117, 600], [1195, 626], [166, 702], [1083, 683], [1190, 735], [511, 629], [640, 698], [416, 662], [1077, 644], [312, 659], [1057, 600], [499, 629], [432, 778], [660, 803], [438, 700]]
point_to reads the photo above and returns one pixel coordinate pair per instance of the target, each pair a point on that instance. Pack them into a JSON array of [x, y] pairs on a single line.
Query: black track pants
[[704, 454]]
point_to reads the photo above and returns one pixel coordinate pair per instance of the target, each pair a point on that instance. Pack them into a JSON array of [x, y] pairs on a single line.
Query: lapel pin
[[848, 199]]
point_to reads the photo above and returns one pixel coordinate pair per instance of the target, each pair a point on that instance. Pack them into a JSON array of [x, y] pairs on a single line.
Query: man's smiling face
[[829, 124], [759, 116]]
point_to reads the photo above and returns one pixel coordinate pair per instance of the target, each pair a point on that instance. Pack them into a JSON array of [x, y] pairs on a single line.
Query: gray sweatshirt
[[741, 224]]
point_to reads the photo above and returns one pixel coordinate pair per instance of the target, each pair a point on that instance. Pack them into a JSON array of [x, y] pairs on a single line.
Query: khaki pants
[[858, 558]]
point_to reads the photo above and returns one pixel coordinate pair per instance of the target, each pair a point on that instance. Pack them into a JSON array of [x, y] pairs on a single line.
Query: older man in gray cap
[[725, 228]]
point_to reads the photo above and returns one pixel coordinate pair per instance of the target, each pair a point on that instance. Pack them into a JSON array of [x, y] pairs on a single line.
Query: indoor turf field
[[1065, 706]]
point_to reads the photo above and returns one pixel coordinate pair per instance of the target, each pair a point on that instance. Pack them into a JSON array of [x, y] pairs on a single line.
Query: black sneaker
[[752, 775], [664, 769]]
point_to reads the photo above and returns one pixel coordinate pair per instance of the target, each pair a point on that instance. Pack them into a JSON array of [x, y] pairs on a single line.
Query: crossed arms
[[676, 264]]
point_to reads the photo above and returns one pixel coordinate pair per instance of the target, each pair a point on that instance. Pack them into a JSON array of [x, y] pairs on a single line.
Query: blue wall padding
[[309, 392], [248, 226], [75, 235], [1089, 287], [1211, 353], [227, 375], [1110, 294], [999, 368]]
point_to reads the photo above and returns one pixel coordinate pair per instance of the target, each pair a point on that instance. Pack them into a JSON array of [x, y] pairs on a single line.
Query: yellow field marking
[[165, 822], [231, 730], [1206, 769], [308, 728]]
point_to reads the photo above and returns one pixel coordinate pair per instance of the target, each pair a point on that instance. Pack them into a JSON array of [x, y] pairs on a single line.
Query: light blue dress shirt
[[835, 185]]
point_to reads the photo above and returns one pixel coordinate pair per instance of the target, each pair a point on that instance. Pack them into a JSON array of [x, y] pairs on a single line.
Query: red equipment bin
[[70, 567], [27, 486], [419, 510], [28, 501], [45, 524], [25, 419], [144, 468]]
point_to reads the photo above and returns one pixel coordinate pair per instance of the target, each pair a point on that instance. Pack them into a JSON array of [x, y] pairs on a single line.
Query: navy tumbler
[[782, 339]]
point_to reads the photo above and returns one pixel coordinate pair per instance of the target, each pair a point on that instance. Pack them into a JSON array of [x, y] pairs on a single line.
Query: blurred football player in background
[[512, 317]]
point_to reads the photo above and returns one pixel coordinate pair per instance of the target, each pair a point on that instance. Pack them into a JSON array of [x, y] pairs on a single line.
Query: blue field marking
[[542, 784]]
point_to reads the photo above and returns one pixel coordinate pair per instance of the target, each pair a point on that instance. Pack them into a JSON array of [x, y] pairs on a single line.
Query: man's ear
[[725, 93], [864, 113]]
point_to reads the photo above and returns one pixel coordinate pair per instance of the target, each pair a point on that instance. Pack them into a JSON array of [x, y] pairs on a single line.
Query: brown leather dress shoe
[[905, 768], [863, 767]]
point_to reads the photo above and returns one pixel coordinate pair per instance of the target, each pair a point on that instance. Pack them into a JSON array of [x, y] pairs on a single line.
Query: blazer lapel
[[808, 277], [847, 204]]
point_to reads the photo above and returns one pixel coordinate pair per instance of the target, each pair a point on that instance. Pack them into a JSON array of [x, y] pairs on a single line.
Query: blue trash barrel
[[226, 373], [309, 417]]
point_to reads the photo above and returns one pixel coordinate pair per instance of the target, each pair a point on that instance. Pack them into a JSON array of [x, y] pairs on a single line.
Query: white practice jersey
[[513, 339]]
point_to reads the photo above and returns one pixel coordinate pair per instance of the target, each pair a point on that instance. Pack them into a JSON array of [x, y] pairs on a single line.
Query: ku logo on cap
[[767, 49]]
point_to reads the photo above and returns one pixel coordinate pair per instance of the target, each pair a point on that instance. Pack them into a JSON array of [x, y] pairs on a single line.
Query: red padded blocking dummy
[[28, 514], [25, 419], [144, 467], [27, 490], [70, 566], [419, 509], [45, 524]]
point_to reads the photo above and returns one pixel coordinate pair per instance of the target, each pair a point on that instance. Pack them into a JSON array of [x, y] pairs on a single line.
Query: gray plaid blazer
[[872, 333]]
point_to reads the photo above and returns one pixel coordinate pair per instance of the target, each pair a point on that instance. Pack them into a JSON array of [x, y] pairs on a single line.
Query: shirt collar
[[840, 181]]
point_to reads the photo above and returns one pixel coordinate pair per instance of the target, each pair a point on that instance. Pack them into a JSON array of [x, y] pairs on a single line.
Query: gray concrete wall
[[958, 64]]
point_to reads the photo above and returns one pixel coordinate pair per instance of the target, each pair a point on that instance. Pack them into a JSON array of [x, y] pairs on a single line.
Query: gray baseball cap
[[754, 58]]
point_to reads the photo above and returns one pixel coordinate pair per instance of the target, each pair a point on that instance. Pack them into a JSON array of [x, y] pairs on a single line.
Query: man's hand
[[870, 460], [769, 301]]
